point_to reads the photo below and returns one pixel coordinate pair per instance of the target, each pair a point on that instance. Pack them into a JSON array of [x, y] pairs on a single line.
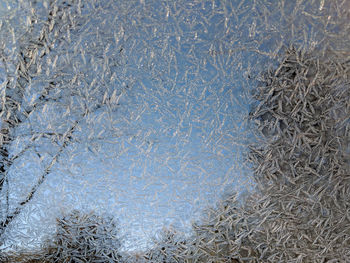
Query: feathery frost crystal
[[174, 131]]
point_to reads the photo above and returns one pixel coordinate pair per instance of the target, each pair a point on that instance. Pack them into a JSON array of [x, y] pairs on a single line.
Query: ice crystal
[[226, 123], [82, 237]]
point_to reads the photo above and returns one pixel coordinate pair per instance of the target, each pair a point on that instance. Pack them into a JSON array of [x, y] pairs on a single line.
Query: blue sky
[[170, 135]]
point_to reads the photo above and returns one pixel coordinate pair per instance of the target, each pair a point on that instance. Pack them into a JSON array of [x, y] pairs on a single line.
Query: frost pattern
[[138, 108]]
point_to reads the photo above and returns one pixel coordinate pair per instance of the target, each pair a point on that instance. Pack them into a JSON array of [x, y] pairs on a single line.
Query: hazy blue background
[[173, 137]]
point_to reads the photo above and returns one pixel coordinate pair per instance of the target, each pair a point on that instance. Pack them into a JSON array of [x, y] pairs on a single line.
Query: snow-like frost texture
[[85, 236], [138, 108]]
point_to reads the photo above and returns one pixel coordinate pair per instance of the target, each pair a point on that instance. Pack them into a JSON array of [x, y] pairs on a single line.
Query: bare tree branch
[[12, 97]]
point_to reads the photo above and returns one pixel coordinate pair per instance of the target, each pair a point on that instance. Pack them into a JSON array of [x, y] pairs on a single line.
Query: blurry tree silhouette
[[79, 237], [85, 238], [301, 165], [46, 79], [33, 50], [168, 247]]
